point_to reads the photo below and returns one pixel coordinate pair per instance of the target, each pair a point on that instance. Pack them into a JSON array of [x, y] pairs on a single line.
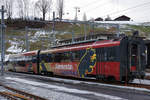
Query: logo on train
[[43, 66], [87, 62]]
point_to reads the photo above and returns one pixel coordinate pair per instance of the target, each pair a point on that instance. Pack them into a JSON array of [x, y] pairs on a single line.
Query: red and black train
[[121, 59]]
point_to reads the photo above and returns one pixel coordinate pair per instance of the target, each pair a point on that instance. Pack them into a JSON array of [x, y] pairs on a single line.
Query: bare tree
[[9, 7], [26, 8], [20, 8], [60, 8], [43, 6], [108, 18], [1, 2], [84, 17]]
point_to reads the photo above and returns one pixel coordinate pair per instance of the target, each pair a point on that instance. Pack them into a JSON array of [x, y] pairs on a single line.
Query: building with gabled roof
[[122, 18]]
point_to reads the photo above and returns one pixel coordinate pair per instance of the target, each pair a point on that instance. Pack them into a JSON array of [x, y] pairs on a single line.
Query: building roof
[[122, 18], [99, 19]]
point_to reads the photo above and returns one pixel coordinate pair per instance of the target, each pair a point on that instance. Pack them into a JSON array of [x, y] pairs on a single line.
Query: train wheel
[[50, 73], [111, 79], [124, 80], [97, 77]]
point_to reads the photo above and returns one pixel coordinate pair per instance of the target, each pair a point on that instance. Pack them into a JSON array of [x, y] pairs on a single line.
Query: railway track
[[135, 85], [15, 94], [139, 85], [147, 77]]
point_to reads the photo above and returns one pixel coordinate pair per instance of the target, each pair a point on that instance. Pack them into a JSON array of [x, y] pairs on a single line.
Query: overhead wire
[[145, 17], [88, 4], [125, 13], [136, 6], [99, 6], [143, 7]]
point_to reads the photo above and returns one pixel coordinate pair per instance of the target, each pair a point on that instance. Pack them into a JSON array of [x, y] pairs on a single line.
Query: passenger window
[[21, 63], [46, 57], [34, 59], [75, 56]]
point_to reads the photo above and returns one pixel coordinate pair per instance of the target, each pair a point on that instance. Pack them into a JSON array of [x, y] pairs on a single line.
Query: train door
[[148, 55], [135, 55], [38, 62], [100, 63]]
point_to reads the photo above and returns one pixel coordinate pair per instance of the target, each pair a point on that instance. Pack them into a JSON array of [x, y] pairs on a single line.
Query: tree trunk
[[43, 16]]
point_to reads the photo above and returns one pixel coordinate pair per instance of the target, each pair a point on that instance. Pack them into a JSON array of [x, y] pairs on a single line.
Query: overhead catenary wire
[[118, 11], [98, 6], [145, 7], [130, 8], [137, 11], [146, 18], [89, 4]]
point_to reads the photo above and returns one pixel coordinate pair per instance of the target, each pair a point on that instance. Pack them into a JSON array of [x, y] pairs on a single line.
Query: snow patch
[[147, 82], [64, 89], [94, 83], [120, 22], [147, 74], [14, 49], [107, 85]]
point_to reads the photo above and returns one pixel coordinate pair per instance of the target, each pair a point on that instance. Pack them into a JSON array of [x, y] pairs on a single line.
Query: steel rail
[[19, 94], [86, 80]]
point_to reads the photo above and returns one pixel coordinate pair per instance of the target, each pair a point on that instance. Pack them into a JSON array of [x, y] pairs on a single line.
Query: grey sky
[[102, 8], [139, 9]]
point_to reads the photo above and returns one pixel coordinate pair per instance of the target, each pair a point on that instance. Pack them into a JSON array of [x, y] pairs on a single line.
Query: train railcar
[[23, 62], [121, 59]]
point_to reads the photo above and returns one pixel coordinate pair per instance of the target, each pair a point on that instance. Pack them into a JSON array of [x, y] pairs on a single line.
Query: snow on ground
[[120, 22], [45, 92], [147, 74], [121, 87], [2, 90], [147, 82], [100, 84], [64, 89], [2, 98], [14, 49]]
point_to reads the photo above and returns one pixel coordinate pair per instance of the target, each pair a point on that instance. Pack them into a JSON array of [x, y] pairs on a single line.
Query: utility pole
[[53, 29], [2, 39], [118, 30], [93, 27], [72, 36], [27, 39], [77, 9], [85, 33]]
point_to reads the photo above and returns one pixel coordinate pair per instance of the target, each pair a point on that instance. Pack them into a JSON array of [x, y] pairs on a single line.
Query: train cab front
[[137, 59]]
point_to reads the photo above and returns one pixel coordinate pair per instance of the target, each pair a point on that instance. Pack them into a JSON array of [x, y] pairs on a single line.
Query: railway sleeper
[[24, 93], [16, 95], [7, 96]]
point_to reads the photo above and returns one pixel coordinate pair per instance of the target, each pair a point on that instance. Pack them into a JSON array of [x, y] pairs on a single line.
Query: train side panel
[[107, 70]]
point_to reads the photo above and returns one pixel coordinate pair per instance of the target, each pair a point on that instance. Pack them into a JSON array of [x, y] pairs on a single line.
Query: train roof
[[22, 56], [30, 53], [94, 44], [91, 44], [26, 53]]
